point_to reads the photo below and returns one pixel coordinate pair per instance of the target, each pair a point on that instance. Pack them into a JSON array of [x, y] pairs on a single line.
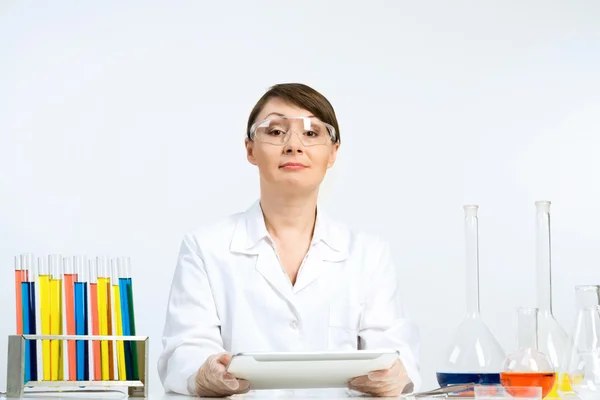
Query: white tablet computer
[[308, 370]]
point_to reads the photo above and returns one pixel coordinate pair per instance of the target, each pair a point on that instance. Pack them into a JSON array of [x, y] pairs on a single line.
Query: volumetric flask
[[474, 355], [553, 340], [528, 366]]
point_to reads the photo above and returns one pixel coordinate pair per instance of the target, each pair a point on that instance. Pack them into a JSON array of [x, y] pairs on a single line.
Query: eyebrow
[[281, 115]]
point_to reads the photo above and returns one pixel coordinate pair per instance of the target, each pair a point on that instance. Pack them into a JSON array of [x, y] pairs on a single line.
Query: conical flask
[[474, 355], [587, 295], [553, 340], [582, 362]]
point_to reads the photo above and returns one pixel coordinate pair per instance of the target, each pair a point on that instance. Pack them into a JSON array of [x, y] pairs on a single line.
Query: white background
[[122, 128]]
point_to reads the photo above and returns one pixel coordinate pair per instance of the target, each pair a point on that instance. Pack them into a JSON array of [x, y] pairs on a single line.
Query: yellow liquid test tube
[[103, 291], [56, 354], [44, 301], [118, 323]]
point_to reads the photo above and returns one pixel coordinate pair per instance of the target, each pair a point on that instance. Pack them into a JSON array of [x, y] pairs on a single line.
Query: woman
[[282, 276]]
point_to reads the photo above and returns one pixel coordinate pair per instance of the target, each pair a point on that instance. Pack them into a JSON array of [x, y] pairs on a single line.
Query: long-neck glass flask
[[553, 339], [473, 355]]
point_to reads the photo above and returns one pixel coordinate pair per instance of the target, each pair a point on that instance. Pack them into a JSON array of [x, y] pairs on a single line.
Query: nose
[[293, 144]]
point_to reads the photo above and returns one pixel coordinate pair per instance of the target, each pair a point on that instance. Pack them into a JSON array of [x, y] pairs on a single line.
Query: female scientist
[[282, 276]]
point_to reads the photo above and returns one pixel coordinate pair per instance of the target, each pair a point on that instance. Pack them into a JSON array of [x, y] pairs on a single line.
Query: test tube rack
[[15, 371]]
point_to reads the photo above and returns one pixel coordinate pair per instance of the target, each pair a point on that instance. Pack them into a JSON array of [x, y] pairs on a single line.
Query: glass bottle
[[582, 362], [528, 366], [553, 339], [474, 355]]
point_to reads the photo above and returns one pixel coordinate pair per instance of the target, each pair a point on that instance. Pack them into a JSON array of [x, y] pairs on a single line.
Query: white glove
[[385, 383], [213, 380]]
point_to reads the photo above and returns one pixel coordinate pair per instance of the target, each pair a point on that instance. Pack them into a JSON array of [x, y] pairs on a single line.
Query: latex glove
[[213, 380], [390, 382]]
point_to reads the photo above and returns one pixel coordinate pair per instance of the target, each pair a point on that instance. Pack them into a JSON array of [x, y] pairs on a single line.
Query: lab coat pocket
[[344, 322]]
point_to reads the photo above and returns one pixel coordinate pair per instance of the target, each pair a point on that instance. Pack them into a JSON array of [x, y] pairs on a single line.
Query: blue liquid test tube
[[29, 317], [81, 317], [122, 267]]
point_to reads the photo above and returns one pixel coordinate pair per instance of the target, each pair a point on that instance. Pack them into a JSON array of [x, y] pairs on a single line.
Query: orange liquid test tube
[[69, 282], [18, 294], [96, 349]]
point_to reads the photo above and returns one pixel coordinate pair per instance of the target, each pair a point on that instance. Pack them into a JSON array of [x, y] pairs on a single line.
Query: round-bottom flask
[[528, 366]]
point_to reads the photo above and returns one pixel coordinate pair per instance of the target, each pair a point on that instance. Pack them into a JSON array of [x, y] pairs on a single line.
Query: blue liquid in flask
[[445, 379]]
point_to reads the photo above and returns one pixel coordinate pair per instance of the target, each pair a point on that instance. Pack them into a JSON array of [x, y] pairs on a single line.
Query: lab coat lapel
[[268, 265], [320, 260], [329, 247], [249, 232], [250, 237]]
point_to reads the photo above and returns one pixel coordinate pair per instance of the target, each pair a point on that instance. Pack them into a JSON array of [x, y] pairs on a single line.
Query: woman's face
[[291, 166]]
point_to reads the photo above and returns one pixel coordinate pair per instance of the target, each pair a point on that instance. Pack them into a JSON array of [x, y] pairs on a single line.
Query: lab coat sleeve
[[192, 326], [384, 322]]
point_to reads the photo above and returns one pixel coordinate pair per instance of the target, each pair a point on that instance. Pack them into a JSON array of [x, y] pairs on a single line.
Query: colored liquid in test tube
[[56, 320], [19, 279], [44, 289], [128, 316], [121, 368], [29, 316], [69, 278], [81, 317], [96, 365], [104, 316]]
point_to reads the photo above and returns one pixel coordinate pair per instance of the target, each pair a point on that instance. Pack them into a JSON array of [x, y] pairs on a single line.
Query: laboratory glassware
[[553, 340], [474, 355], [528, 366], [582, 362]]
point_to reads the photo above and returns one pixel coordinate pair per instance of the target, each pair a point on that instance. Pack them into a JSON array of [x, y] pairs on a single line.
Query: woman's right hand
[[213, 380]]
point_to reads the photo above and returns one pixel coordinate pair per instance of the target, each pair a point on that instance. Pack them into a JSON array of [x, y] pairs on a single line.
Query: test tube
[[96, 366], [103, 314], [128, 288], [44, 298], [29, 316], [122, 265], [81, 317], [69, 288], [56, 320], [121, 368], [18, 294], [38, 319]]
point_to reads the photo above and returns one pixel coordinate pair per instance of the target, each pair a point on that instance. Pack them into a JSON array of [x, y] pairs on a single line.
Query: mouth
[[291, 166]]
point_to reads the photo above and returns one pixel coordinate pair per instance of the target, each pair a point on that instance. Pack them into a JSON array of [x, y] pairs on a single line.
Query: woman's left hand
[[384, 383]]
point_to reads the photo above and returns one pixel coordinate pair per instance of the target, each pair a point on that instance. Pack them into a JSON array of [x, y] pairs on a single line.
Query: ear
[[333, 155], [250, 151]]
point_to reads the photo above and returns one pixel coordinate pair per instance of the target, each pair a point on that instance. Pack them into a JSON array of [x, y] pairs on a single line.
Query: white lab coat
[[230, 293]]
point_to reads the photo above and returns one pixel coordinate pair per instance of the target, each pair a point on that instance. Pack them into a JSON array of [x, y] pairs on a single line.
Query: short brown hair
[[302, 96]]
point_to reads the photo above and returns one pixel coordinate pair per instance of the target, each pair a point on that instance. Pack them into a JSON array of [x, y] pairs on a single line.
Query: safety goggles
[[277, 131]]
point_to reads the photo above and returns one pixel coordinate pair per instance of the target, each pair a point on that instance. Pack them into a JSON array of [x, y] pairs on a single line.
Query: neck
[[287, 214], [527, 329]]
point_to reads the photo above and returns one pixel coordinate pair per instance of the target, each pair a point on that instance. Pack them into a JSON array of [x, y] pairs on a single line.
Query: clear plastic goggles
[[277, 131]]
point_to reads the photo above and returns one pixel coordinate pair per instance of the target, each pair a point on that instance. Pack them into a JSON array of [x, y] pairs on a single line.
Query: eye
[[311, 133], [276, 132]]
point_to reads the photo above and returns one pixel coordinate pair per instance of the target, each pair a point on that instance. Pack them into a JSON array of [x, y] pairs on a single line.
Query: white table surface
[[158, 394]]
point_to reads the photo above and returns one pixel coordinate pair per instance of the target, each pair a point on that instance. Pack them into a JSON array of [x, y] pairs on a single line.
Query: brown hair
[[302, 96]]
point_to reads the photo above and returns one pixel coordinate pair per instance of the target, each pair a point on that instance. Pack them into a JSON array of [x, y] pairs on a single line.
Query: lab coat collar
[[250, 230]]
